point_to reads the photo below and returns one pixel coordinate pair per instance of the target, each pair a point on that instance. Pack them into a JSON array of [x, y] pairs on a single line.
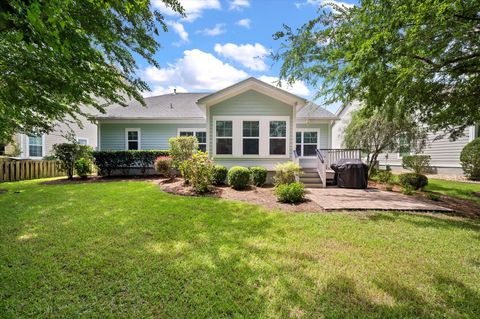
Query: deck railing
[[332, 155], [321, 167]]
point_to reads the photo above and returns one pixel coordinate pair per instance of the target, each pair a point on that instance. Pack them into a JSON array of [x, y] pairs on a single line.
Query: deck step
[[309, 174], [313, 185], [310, 180]]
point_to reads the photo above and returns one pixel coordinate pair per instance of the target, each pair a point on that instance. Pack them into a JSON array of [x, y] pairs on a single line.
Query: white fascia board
[[151, 121]]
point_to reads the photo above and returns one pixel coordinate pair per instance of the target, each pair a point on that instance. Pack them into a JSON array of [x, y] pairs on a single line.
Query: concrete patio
[[333, 198]]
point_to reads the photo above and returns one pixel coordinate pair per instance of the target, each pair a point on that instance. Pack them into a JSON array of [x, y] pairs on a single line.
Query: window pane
[[310, 137], [309, 150], [186, 133], [133, 145], [250, 129], [250, 146], [404, 146], [299, 137], [132, 135], [201, 137], [202, 147], [278, 129], [82, 141], [35, 150], [35, 140], [224, 146], [224, 128], [299, 149], [278, 146]]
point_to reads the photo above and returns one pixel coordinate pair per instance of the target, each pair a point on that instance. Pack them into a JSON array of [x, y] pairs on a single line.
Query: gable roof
[[251, 84], [167, 106], [314, 111]]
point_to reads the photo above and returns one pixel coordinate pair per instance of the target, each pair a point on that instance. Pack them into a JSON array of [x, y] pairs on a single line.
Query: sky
[[221, 42]]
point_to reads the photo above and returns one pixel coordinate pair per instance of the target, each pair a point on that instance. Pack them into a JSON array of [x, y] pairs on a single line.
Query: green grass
[[126, 249], [456, 189]]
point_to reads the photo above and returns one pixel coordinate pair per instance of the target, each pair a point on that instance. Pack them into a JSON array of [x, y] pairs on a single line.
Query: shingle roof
[[312, 110], [174, 106]]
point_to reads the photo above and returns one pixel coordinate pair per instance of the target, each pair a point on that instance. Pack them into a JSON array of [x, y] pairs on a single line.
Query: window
[[306, 143], [278, 137], [200, 134], [133, 138], [82, 141], [403, 146], [224, 137], [251, 137], [35, 146]]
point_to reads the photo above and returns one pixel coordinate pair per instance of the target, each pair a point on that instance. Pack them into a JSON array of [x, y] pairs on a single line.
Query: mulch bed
[[462, 207], [254, 195]]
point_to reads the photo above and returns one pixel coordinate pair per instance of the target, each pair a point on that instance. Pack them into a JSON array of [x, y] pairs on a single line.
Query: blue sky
[[221, 42]]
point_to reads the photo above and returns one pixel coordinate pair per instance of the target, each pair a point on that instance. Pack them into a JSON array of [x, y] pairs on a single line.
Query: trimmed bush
[[413, 180], [109, 161], [182, 148], [164, 166], [68, 153], [239, 177], [286, 173], [292, 193], [258, 175], [432, 196], [200, 172], [219, 174], [83, 167], [470, 159], [384, 176], [419, 164]]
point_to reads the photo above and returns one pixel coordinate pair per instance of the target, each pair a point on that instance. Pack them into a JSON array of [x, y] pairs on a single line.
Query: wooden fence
[[16, 170]]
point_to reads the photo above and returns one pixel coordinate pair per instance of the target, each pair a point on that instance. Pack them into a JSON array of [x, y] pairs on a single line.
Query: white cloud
[[160, 90], [193, 8], [239, 4], [326, 3], [244, 23], [218, 29], [196, 71], [180, 30], [251, 56], [298, 88]]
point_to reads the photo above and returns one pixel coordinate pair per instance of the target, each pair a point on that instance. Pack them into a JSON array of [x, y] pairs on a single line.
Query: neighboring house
[[249, 123], [445, 154], [37, 147]]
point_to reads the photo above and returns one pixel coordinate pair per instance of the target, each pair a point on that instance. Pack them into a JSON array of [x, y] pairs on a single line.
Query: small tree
[[419, 164], [376, 133], [470, 159], [200, 172], [68, 153], [182, 148]]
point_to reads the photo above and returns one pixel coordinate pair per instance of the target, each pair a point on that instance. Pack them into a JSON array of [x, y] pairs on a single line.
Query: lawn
[[456, 189], [126, 249]]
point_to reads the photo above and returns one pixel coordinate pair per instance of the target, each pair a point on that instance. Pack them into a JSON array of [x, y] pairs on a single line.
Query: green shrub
[[109, 161], [432, 196], [389, 187], [407, 190], [83, 167], [419, 164], [164, 166], [470, 159], [413, 180], [292, 193], [239, 177], [384, 176], [184, 169], [258, 175], [286, 173], [219, 174], [67, 154], [200, 173], [182, 148]]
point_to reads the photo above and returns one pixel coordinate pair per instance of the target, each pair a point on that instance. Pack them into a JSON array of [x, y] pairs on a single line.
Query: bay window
[[251, 137], [306, 142], [224, 137], [278, 138]]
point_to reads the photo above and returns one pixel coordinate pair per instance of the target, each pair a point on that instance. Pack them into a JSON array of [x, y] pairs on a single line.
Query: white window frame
[[139, 141], [278, 137], [194, 131], [302, 141], [237, 133], [27, 148], [83, 138], [251, 138]]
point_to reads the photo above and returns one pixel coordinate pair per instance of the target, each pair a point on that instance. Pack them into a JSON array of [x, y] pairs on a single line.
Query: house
[[37, 147], [445, 153], [250, 123]]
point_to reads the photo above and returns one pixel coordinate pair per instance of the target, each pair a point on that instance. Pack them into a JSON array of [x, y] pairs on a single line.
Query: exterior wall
[[251, 104], [152, 136], [340, 125], [324, 141]]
